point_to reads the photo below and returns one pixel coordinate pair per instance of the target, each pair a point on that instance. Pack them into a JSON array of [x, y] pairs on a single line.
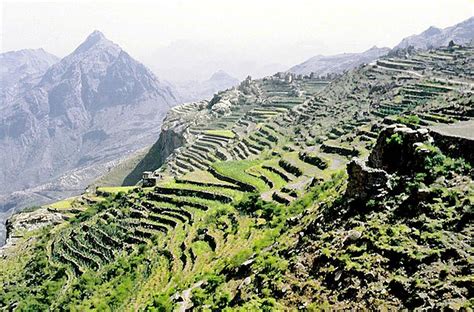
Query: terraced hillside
[[249, 205]]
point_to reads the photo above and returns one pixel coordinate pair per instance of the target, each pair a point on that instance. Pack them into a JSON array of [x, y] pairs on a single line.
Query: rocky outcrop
[[396, 149], [364, 182], [170, 139], [19, 224], [223, 102], [400, 151], [248, 87]]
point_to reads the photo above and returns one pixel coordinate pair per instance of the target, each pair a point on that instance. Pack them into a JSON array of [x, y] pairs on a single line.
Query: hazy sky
[[252, 32]]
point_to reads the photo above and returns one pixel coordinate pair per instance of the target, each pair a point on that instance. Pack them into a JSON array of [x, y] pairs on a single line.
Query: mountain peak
[[219, 75], [96, 34], [376, 49], [94, 39], [431, 31]]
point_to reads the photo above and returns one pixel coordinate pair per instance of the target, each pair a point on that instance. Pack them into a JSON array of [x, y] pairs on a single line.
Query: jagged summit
[[95, 39], [96, 34], [105, 73]]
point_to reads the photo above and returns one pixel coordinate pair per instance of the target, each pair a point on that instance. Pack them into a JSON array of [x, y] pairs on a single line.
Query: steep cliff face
[[170, 139], [176, 129]]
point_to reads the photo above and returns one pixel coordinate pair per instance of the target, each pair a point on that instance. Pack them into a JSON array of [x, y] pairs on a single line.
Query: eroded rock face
[[33, 220], [365, 182], [222, 107], [19, 224], [396, 149], [170, 139]]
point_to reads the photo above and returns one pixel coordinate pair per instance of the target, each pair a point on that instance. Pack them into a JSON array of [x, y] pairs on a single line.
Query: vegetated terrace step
[[178, 213], [179, 202], [245, 187], [194, 193]]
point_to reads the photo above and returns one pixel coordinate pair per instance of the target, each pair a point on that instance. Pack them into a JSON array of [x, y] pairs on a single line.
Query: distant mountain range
[[87, 110], [461, 33], [323, 65], [433, 37], [198, 90], [15, 66], [19, 69]]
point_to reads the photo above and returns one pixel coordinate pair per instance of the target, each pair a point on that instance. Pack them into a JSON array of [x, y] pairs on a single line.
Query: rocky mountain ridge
[[92, 107], [433, 37], [324, 65], [21, 69], [461, 33], [18, 65]]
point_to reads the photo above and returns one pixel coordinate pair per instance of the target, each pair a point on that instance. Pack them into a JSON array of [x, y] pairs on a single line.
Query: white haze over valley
[[191, 40]]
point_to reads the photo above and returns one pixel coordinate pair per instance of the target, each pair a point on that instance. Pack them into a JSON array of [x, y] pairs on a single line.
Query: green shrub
[[436, 164], [240, 257], [395, 140], [253, 205], [409, 119], [161, 303]]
